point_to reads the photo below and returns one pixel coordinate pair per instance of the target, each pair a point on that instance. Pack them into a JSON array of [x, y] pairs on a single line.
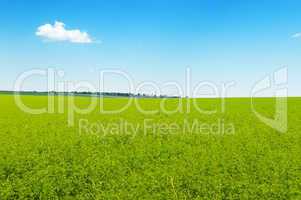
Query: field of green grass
[[43, 157]]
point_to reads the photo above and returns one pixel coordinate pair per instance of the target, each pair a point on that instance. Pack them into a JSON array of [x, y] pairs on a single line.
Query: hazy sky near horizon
[[156, 40]]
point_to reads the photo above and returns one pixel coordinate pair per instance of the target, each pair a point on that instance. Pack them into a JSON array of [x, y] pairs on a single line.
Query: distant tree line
[[86, 93]]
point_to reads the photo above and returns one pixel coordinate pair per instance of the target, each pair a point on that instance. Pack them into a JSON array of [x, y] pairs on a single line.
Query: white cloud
[[297, 35], [58, 32]]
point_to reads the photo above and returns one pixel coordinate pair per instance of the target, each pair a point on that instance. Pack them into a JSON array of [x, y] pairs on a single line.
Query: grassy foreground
[[41, 157]]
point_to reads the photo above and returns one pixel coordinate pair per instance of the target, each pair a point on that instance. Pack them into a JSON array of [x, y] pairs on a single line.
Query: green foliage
[[41, 157]]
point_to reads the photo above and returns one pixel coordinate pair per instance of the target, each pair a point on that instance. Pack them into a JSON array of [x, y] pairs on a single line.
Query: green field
[[43, 157]]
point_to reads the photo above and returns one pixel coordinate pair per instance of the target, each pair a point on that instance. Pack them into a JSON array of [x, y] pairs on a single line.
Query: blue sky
[[155, 40]]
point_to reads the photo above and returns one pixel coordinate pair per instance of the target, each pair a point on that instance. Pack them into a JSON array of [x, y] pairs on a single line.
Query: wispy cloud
[[58, 32], [296, 35]]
